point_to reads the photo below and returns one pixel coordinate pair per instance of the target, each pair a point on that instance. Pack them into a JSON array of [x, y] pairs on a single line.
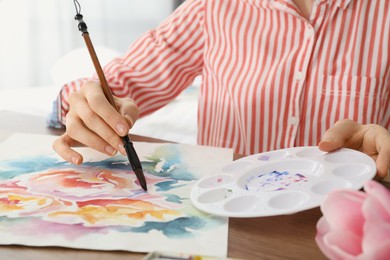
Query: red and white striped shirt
[[270, 78]]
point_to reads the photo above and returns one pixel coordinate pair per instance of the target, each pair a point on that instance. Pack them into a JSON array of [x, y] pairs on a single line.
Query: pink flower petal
[[377, 216], [342, 210], [375, 234], [378, 202], [338, 244], [322, 227], [381, 252], [356, 225]]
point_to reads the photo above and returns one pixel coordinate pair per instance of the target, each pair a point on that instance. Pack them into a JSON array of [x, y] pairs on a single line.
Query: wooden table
[[280, 237]]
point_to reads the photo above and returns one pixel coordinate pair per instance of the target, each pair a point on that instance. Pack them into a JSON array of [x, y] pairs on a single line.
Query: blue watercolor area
[[173, 198], [178, 228], [170, 162], [167, 185], [183, 227], [7, 222], [13, 168], [168, 157], [112, 163], [177, 173]]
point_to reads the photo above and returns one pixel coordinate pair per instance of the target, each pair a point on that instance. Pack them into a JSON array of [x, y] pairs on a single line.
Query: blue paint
[[173, 198], [171, 165], [178, 228], [13, 168], [167, 185], [277, 174]]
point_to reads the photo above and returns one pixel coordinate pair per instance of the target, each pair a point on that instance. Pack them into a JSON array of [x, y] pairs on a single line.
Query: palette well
[[280, 182]]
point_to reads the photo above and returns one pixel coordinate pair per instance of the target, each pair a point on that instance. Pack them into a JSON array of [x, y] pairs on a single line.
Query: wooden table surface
[[278, 237]]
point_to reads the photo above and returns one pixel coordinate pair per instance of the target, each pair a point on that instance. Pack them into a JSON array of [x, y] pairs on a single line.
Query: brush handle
[[99, 70]]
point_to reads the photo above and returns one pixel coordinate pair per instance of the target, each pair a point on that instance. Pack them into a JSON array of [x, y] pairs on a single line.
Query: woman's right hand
[[93, 122]]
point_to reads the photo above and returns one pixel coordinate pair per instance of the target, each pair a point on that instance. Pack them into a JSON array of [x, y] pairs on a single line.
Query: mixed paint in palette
[[274, 180], [100, 205], [280, 182]]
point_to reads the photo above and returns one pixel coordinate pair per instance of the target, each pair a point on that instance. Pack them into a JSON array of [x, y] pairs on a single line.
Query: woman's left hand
[[371, 139]]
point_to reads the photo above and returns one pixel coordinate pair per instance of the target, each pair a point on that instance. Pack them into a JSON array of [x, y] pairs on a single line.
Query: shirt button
[[293, 120], [299, 75], [309, 32]]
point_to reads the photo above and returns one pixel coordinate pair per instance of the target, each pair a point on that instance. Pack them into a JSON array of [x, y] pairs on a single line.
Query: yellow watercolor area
[[18, 202], [132, 214]]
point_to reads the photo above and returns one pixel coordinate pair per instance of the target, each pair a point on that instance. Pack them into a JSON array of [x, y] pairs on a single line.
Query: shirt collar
[[343, 3], [340, 3]]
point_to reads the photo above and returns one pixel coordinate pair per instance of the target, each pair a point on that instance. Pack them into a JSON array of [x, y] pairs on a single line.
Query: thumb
[[337, 136], [329, 143], [129, 110]]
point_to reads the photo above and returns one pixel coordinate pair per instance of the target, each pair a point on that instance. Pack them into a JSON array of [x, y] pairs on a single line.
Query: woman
[[275, 74]]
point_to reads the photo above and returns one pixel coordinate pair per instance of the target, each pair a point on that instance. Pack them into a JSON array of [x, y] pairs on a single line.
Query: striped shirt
[[270, 78]]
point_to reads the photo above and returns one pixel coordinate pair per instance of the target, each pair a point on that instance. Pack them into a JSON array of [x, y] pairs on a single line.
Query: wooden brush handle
[[99, 70]]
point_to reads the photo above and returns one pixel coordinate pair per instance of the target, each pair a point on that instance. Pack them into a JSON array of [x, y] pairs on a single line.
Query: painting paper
[[45, 201]]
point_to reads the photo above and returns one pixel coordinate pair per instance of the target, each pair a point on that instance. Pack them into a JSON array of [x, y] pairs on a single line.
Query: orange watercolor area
[[26, 202], [84, 179], [117, 212]]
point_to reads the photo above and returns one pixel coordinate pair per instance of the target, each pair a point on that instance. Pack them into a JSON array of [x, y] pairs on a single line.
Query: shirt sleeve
[[156, 67]]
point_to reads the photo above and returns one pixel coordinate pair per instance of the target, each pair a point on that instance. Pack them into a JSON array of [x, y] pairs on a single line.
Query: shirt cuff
[[52, 119]]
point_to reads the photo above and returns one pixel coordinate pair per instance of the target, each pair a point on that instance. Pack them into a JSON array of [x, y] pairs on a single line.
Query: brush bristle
[[141, 177]]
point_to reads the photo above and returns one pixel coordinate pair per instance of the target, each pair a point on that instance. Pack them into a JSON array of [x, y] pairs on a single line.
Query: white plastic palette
[[280, 182]]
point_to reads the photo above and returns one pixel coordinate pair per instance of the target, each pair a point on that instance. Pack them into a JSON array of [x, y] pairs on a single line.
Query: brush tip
[[141, 178]]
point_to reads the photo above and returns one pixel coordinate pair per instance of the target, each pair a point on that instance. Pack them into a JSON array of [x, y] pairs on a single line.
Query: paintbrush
[[128, 144]]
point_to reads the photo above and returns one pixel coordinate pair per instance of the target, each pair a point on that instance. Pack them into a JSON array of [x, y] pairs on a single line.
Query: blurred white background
[[41, 49], [34, 34]]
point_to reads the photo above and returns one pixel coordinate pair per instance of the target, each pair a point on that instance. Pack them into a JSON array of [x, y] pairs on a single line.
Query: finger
[[383, 147], [129, 110], [383, 164], [337, 136], [96, 124], [78, 132], [100, 105], [62, 146]]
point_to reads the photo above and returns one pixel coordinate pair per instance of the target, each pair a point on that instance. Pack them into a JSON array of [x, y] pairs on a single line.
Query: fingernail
[[328, 139], [121, 129], [130, 119], [110, 150], [121, 149], [74, 159]]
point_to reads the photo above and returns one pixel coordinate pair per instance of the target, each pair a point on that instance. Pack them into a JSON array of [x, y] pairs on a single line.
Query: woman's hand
[[373, 140], [93, 122]]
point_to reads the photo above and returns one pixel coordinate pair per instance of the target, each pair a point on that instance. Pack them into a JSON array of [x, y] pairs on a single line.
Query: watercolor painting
[[45, 201]]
